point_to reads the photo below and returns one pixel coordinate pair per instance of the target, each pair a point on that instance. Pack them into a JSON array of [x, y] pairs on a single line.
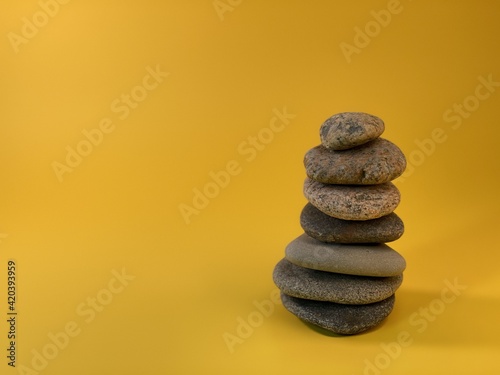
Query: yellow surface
[[208, 77]]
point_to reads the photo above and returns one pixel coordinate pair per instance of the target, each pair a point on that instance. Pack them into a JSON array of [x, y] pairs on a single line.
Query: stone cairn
[[340, 275]]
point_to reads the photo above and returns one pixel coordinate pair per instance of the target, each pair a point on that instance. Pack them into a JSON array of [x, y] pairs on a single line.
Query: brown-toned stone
[[349, 129], [353, 202], [374, 162]]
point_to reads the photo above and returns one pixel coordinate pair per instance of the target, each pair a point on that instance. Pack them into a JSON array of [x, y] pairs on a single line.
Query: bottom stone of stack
[[339, 318]]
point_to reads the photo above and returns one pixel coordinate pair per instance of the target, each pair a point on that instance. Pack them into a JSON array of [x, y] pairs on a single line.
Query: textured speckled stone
[[306, 283], [349, 129], [364, 260], [372, 163], [326, 228], [338, 318], [353, 202]]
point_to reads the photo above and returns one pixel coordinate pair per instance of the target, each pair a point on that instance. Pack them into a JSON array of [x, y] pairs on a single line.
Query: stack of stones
[[340, 275]]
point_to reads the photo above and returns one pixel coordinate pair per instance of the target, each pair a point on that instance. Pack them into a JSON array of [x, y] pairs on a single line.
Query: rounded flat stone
[[326, 228], [353, 202], [306, 283], [372, 163], [349, 129], [338, 318], [363, 260]]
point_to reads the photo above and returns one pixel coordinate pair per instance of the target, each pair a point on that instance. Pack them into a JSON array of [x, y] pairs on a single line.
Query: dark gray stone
[[349, 129], [338, 318], [306, 283], [326, 228], [353, 202], [362, 260], [372, 163]]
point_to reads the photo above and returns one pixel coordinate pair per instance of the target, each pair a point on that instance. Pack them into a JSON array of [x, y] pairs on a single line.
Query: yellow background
[[196, 282]]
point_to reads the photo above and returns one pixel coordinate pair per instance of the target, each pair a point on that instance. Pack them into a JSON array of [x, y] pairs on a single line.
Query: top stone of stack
[[350, 129]]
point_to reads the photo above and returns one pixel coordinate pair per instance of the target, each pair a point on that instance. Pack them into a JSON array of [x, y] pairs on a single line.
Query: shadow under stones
[[466, 321], [322, 331], [470, 253]]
